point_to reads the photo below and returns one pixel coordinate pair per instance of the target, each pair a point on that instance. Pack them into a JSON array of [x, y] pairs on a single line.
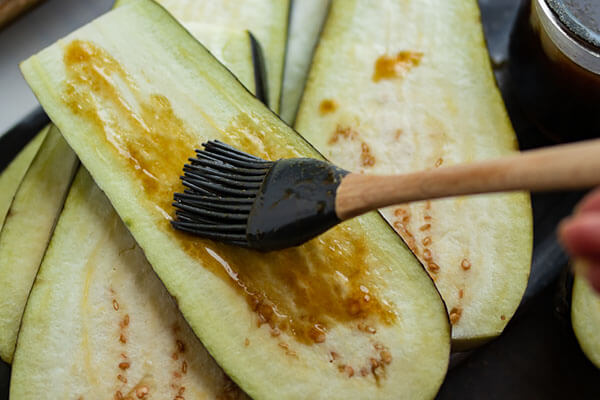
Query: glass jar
[[554, 66]]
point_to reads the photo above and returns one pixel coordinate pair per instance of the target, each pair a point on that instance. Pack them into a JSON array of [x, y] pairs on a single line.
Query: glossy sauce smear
[[301, 291]]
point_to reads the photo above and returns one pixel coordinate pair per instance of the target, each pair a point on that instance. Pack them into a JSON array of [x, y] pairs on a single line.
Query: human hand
[[580, 234]]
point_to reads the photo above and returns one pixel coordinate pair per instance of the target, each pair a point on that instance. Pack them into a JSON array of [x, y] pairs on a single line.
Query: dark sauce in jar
[[555, 66]]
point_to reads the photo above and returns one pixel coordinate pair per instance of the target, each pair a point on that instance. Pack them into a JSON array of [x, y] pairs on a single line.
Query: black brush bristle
[[221, 184]]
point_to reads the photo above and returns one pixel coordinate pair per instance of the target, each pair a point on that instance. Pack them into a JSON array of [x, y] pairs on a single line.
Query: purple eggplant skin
[[260, 71]]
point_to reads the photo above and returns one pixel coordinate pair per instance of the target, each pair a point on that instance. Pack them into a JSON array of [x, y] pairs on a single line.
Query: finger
[[590, 203], [581, 236]]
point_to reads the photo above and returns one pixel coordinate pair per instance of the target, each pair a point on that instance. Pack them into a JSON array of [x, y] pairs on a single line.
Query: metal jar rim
[[581, 52]]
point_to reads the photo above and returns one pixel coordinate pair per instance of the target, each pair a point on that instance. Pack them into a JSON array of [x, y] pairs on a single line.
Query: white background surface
[[33, 31]]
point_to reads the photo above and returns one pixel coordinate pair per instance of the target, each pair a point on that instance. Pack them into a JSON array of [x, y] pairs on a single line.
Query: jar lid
[[581, 17]]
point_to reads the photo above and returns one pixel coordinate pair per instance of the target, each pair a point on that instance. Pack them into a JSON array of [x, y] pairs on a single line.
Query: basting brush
[[240, 199]]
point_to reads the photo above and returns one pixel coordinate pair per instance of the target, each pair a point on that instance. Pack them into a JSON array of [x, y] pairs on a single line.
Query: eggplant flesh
[[267, 20], [28, 228], [585, 318], [233, 48], [351, 314], [406, 86], [306, 22], [99, 323], [11, 177]]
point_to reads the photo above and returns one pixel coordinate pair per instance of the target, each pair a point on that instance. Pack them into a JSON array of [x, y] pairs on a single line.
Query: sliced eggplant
[[27, 231], [585, 318], [403, 87], [306, 21], [267, 20], [349, 315], [11, 177], [99, 323], [234, 49]]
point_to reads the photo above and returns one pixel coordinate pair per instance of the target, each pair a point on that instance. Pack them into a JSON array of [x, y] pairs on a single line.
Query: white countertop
[[33, 31]]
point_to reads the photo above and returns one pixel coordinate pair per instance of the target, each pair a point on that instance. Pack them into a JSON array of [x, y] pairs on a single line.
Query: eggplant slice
[[28, 228], [233, 48], [306, 22], [11, 177], [585, 318], [403, 86], [99, 323], [352, 314], [267, 20]]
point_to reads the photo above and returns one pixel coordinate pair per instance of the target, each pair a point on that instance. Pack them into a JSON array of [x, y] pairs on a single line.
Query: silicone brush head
[[240, 199]]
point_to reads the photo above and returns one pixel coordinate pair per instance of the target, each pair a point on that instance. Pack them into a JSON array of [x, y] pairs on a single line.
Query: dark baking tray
[[537, 357]]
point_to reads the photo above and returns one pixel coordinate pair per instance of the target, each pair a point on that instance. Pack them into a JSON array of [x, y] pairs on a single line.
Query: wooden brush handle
[[571, 166], [10, 9]]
